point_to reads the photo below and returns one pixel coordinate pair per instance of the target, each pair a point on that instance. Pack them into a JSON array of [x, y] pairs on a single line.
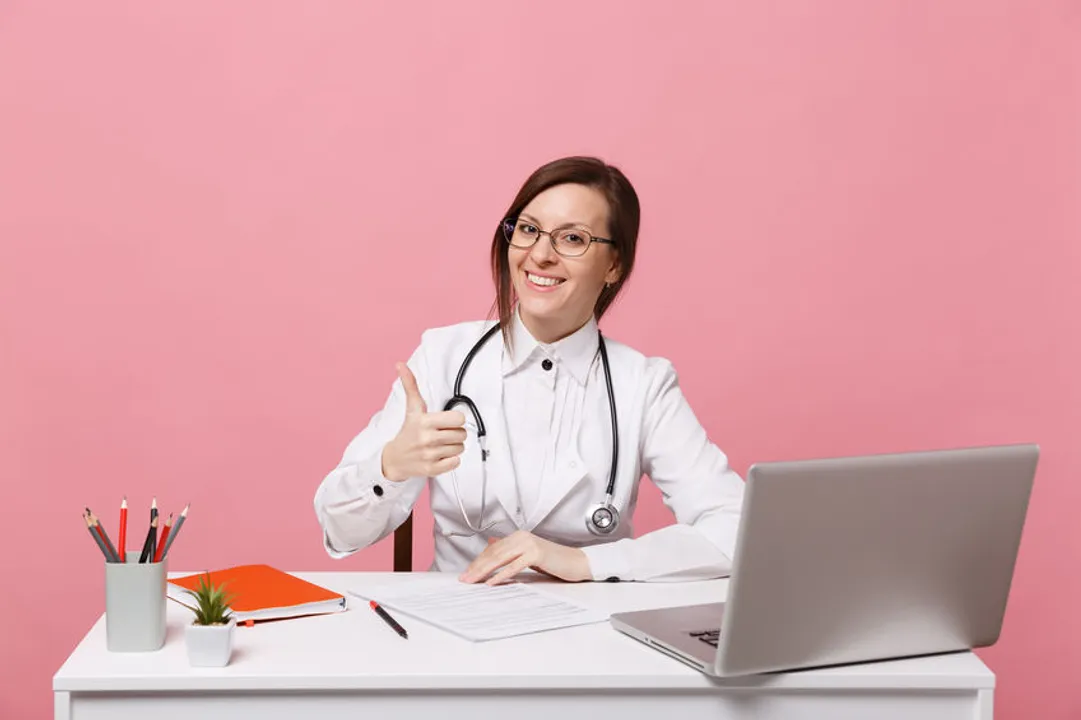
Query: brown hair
[[623, 221]]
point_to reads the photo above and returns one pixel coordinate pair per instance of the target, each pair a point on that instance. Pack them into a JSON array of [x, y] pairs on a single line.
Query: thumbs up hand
[[428, 444]]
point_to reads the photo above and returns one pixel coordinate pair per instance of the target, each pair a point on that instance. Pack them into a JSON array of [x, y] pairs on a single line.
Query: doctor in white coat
[[539, 498]]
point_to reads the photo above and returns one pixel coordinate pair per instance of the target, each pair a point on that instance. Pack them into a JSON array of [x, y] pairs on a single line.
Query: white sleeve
[[355, 504], [698, 486]]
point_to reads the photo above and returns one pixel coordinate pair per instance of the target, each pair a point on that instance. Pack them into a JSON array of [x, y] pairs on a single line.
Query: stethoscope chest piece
[[602, 518]]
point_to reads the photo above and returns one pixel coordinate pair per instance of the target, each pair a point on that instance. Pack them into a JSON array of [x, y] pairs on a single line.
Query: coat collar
[[576, 352]]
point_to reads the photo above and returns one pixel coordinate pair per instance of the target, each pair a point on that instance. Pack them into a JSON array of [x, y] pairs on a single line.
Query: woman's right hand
[[428, 444]]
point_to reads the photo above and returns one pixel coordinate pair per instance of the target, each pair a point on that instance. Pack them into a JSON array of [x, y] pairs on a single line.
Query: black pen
[[388, 619]]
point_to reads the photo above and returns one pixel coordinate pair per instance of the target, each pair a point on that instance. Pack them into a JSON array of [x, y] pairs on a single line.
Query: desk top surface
[[354, 649]]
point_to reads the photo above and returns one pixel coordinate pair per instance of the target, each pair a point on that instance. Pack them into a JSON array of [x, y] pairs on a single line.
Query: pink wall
[[220, 226]]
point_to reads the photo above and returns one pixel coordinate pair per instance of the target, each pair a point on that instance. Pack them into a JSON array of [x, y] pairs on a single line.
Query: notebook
[[261, 592]]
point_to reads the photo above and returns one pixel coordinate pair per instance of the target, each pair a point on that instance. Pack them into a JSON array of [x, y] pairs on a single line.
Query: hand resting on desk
[[520, 550]]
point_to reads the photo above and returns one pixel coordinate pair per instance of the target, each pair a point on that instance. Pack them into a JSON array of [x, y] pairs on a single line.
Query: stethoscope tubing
[[459, 398]]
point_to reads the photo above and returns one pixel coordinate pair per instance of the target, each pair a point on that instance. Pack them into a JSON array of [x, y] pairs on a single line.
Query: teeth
[[542, 280]]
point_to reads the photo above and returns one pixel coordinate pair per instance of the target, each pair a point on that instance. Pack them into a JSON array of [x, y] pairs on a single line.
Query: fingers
[[442, 452], [452, 450], [483, 564], [497, 555], [455, 436], [439, 447], [446, 420], [509, 571], [445, 465], [414, 403]]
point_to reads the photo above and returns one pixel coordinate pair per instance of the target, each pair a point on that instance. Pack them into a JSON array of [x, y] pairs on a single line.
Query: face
[[556, 294]]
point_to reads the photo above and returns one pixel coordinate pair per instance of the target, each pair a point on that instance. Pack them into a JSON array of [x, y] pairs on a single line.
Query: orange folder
[[261, 592]]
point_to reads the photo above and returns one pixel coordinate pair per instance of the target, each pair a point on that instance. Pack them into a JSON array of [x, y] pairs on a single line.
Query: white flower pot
[[210, 645]]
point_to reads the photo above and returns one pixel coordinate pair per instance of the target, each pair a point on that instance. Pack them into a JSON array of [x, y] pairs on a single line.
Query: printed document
[[477, 612]]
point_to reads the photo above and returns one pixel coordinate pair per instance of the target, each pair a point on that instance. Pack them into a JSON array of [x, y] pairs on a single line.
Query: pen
[[388, 619]]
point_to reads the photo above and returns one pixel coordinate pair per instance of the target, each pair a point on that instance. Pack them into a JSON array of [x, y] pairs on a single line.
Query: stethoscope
[[602, 518]]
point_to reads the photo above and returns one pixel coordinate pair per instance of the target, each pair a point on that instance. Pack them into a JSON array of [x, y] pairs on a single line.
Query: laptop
[[858, 559]]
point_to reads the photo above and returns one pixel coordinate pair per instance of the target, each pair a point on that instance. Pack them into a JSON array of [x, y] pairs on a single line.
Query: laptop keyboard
[[709, 637]]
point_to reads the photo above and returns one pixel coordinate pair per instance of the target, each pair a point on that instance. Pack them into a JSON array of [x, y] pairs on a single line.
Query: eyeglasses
[[567, 241]]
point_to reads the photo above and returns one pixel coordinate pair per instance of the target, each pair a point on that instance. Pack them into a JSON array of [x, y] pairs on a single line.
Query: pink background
[[221, 224]]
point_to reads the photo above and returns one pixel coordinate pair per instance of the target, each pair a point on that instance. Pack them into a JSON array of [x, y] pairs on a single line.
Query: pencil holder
[[135, 605]]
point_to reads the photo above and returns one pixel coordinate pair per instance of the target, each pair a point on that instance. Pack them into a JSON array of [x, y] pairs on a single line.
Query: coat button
[[546, 364]]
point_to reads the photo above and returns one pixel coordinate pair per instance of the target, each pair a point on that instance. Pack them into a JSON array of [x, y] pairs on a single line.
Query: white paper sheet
[[478, 612]]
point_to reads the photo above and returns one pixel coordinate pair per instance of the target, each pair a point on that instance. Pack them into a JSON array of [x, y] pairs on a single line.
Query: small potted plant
[[210, 636]]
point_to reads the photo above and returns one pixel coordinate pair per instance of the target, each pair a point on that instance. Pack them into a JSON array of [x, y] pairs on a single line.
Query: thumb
[[414, 403]]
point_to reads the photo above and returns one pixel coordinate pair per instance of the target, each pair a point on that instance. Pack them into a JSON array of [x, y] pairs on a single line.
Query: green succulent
[[211, 603]]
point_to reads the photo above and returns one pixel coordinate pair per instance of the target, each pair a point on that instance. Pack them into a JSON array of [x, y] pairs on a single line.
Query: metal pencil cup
[[135, 605]]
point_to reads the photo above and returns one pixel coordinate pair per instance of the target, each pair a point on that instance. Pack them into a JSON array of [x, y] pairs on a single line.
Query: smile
[[543, 281]]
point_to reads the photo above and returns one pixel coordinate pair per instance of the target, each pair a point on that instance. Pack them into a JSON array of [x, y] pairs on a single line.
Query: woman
[[537, 488]]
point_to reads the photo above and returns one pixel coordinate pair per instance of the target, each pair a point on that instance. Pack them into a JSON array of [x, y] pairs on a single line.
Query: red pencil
[[123, 549], [164, 534]]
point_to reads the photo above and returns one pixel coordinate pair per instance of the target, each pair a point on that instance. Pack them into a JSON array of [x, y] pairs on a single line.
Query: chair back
[[403, 546]]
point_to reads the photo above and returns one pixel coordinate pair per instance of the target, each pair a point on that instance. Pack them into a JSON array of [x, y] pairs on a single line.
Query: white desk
[[351, 665]]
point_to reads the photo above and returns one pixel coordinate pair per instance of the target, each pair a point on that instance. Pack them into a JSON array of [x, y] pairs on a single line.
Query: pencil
[[146, 552], [160, 553], [142, 550], [148, 544], [152, 547], [176, 530], [97, 538], [124, 529], [112, 554]]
